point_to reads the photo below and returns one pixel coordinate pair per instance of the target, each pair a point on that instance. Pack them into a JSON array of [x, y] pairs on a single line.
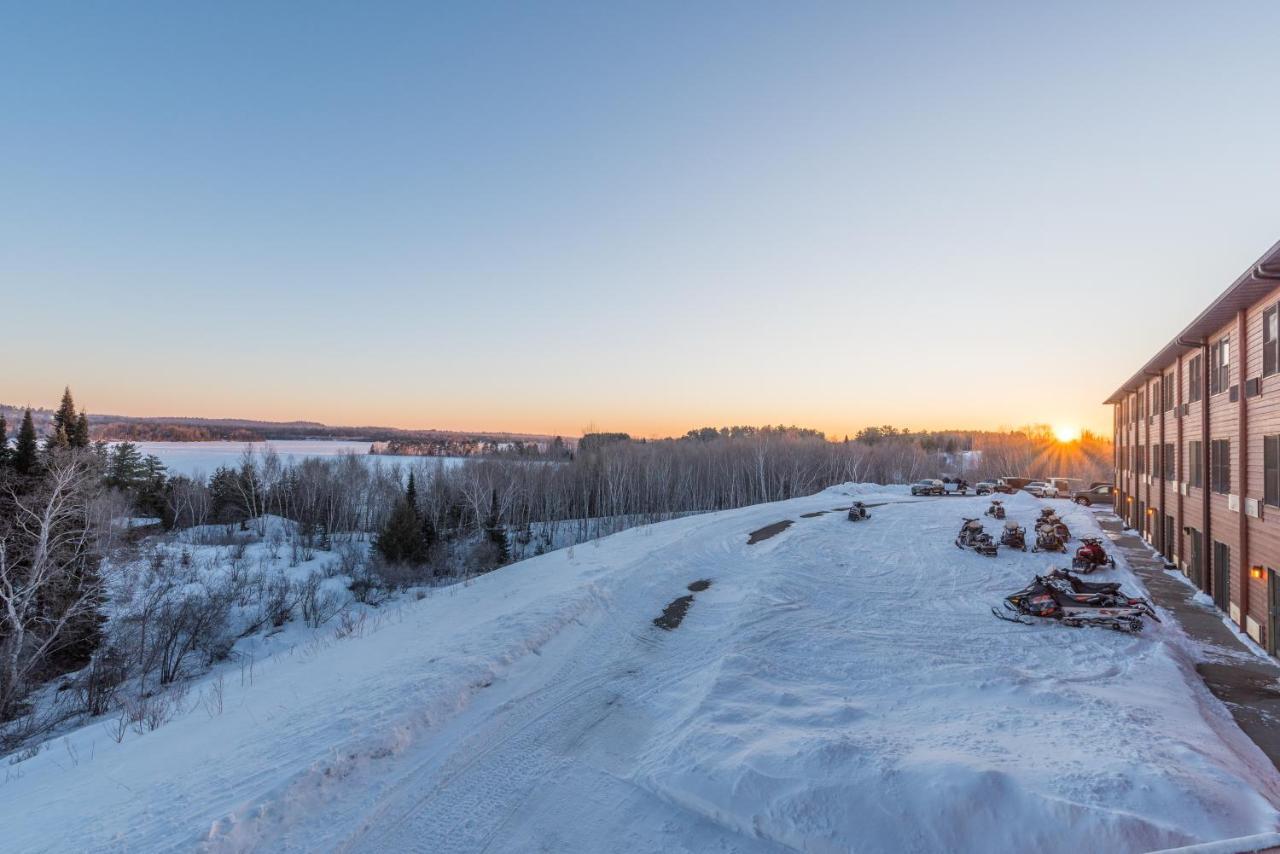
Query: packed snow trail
[[838, 687]]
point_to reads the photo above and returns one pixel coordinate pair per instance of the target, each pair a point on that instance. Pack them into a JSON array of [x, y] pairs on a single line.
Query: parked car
[[1099, 493], [986, 487], [928, 487], [1035, 487], [1059, 487]]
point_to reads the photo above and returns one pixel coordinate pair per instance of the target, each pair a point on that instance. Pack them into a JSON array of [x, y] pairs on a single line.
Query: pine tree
[[4, 442], [80, 434], [411, 494], [496, 533], [430, 536], [26, 456], [64, 422], [125, 469], [400, 540]]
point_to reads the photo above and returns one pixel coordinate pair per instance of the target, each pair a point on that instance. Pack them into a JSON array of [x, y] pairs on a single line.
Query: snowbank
[[838, 687]]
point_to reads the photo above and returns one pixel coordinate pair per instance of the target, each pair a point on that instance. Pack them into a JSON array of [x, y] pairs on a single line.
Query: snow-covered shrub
[[352, 557], [97, 685], [398, 575], [320, 599]]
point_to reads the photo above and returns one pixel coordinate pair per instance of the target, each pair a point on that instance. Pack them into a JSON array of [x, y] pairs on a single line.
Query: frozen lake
[[191, 458]]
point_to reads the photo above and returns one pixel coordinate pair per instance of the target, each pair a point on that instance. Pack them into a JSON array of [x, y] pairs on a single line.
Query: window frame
[[1271, 340], [1271, 470], [1220, 466], [1220, 366]]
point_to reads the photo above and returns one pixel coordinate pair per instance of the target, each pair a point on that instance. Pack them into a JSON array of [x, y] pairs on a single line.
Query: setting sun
[[1066, 432]]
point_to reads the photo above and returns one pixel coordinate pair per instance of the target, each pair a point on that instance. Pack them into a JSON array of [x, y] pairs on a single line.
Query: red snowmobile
[[1091, 556]]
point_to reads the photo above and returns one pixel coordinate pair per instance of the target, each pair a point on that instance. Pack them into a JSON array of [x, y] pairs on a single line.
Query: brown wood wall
[[1252, 541]]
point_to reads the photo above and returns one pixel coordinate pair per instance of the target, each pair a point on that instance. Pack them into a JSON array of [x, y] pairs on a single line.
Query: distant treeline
[[122, 428]]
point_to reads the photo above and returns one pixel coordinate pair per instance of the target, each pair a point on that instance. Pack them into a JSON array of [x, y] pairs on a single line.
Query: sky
[[645, 217]]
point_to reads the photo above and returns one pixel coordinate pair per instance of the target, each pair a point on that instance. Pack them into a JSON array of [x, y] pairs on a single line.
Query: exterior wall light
[[1256, 572]]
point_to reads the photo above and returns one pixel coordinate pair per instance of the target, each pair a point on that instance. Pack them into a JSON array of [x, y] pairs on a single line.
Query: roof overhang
[[1254, 284]]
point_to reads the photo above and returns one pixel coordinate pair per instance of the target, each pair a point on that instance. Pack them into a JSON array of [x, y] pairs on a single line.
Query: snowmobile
[[1050, 516], [996, 510], [858, 512], [1061, 596], [1048, 539], [1091, 556], [972, 536], [1079, 585], [1014, 536]]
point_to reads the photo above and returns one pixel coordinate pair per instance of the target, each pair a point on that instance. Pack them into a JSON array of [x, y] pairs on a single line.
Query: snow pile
[[837, 687]]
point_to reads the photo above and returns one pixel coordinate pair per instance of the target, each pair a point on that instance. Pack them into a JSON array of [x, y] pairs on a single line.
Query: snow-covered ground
[[838, 687]]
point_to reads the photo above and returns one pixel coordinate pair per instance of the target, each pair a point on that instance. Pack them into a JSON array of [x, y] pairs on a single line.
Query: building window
[[1271, 341], [1142, 459], [1193, 378], [1271, 470], [1220, 366], [1168, 389], [1195, 464], [1220, 465], [1169, 469]]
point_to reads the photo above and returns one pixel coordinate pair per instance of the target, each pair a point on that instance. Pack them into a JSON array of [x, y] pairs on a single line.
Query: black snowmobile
[[1074, 602], [1014, 536], [972, 536], [858, 512], [996, 510]]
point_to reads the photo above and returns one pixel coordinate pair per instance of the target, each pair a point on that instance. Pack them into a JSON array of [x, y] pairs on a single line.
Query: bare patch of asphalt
[[814, 515], [769, 531], [673, 614]]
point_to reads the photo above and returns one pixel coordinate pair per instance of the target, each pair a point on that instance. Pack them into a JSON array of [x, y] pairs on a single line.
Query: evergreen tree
[[496, 532], [64, 422], [148, 488], [26, 456], [4, 442], [226, 503], [411, 494], [430, 536], [125, 469], [80, 435], [400, 540]]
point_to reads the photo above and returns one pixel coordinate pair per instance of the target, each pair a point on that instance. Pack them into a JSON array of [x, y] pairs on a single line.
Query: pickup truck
[[1060, 487], [1009, 484]]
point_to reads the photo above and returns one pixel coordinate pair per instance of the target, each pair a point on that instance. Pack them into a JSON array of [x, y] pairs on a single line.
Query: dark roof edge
[[1243, 292]]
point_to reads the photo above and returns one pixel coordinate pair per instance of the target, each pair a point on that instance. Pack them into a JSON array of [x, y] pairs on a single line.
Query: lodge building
[[1197, 450]]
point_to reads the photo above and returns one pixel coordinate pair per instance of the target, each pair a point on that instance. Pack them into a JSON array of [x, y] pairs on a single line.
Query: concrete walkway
[[1248, 684]]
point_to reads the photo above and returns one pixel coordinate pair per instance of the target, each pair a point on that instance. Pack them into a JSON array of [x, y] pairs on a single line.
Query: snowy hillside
[[836, 687]]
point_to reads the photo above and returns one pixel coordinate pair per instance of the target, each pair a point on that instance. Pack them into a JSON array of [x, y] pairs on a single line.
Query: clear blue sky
[[642, 216]]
